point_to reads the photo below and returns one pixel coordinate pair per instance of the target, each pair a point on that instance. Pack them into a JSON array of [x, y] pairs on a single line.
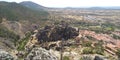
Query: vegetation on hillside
[[66, 58], [96, 26], [98, 49], [118, 52], [5, 33], [32, 5], [23, 42], [86, 45], [14, 12], [116, 36]]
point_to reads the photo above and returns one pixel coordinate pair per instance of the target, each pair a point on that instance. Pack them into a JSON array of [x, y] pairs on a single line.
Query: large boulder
[[99, 57], [5, 55], [41, 54], [93, 57]]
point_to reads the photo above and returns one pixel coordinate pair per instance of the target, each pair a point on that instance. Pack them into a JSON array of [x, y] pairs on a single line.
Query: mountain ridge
[[15, 11], [32, 5]]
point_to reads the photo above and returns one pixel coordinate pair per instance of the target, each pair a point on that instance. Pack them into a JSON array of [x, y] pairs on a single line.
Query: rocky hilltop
[[76, 44], [29, 31], [49, 42]]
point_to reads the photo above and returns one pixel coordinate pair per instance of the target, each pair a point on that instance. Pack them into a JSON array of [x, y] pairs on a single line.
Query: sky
[[72, 3]]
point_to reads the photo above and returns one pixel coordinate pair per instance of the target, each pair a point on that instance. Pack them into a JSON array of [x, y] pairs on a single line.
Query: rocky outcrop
[[93, 57], [56, 32], [41, 54], [99, 58], [33, 40], [5, 55]]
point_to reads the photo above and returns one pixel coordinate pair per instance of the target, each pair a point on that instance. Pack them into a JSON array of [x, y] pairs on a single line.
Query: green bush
[[90, 38], [87, 44], [74, 46], [116, 36], [66, 58], [23, 42], [99, 49], [86, 58], [118, 52], [0, 19], [87, 50]]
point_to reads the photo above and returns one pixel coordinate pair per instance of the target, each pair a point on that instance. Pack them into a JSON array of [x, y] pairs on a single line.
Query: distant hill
[[96, 8], [14, 11], [32, 5], [109, 7]]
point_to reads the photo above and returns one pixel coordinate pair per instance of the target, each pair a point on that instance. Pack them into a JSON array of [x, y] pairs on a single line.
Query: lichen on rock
[[41, 54], [5, 55]]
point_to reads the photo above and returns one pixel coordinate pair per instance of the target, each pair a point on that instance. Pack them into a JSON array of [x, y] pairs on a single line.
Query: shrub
[[86, 58], [90, 38], [66, 58], [99, 49], [87, 44], [23, 42], [87, 50], [116, 36], [5, 33], [118, 52], [0, 20]]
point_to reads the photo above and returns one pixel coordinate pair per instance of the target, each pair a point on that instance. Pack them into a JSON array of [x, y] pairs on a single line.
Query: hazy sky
[[72, 3]]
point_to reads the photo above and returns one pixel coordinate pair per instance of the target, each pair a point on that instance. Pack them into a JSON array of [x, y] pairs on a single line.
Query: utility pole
[[64, 37], [64, 25]]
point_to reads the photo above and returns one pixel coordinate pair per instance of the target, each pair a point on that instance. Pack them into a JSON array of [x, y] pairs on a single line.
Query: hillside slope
[[14, 11], [32, 5], [15, 21]]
